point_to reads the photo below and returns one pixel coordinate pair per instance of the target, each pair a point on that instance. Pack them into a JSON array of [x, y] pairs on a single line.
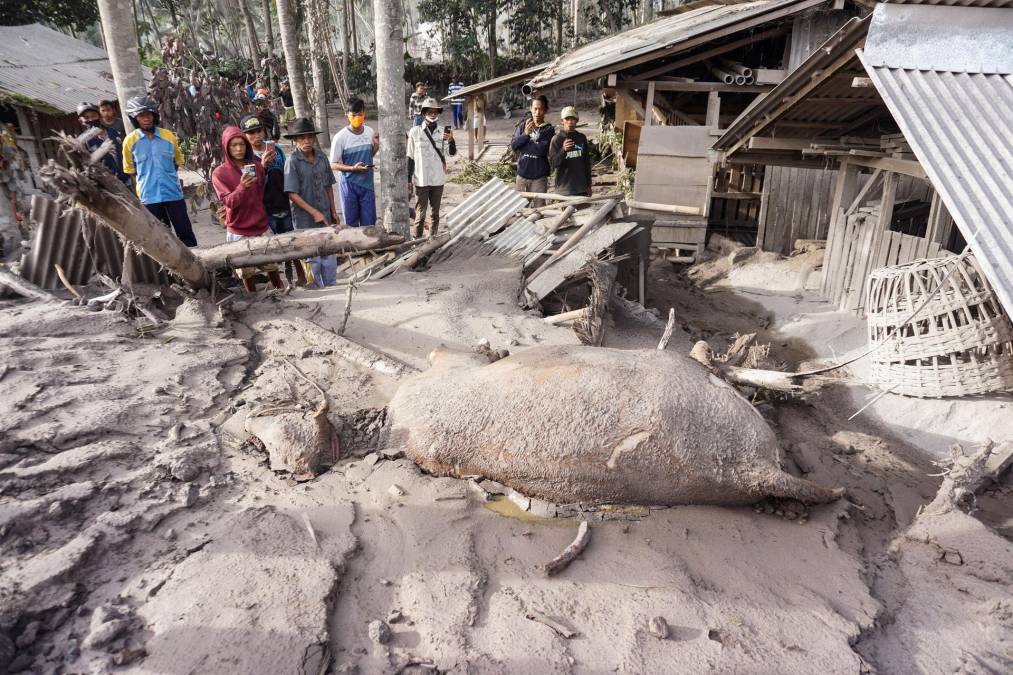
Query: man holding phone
[[531, 143], [427, 165], [568, 155], [239, 184], [352, 152]]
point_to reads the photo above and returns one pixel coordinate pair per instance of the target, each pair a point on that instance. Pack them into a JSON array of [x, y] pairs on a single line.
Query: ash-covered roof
[[47, 70]]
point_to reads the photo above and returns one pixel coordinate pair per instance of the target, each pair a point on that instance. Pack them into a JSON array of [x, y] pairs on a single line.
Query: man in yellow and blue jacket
[[152, 156]]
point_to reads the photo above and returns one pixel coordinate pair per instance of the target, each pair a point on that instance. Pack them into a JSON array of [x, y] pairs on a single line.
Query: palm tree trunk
[[388, 22], [124, 57], [319, 98], [251, 33], [269, 27], [293, 63]]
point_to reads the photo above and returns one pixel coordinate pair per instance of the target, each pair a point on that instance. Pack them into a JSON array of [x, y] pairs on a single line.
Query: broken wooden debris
[[559, 627], [423, 252], [669, 328], [775, 380], [570, 553], [597, 219], [965, 475], [590, 328], [567, 317], [23, 287], [361, 355]]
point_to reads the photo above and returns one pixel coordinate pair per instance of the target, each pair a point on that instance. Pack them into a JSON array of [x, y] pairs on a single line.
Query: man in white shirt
[[428, 149]]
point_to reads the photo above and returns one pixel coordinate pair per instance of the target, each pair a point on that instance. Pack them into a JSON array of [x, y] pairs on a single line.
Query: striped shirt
[[452, 91]]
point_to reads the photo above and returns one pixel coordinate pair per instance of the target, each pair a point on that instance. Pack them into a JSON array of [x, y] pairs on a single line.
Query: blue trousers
[[417, 121], [325, 270], [323, 267], [358, 204], [458, 110]]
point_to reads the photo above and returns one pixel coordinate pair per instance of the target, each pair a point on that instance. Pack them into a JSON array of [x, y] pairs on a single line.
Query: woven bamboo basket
[[960, 344]]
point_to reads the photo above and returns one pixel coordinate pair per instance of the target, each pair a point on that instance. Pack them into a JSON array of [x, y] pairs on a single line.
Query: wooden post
[[649, 106], [844, 193], [761, 218], [472, 123], [713, 109]]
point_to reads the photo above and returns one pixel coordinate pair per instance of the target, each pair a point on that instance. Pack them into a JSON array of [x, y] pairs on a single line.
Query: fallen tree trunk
[[24, 287], [358, 354], [90, 186], [294, 246], [426, 250]]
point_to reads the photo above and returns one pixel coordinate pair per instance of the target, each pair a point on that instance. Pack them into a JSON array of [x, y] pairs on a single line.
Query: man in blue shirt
[[352, 153], [152, 156]]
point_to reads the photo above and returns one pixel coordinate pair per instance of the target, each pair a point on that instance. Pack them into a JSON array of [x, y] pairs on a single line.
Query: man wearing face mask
[[531, 143], [352, 152], [427, 165], [89, 117]]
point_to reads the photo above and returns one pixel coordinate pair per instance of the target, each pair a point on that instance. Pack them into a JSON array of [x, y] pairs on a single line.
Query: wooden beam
[[713, 110], [716, 51], [771, 117], [765, 143], [774, 159], [866, 189], [649, 119], [666, 85], [471, 128], [633, 103], [907, 167]]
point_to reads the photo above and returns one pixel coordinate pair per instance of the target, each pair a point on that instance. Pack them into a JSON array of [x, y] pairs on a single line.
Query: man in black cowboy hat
[[308, 181]]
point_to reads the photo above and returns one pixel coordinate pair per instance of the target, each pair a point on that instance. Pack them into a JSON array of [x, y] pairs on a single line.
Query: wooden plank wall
[[862, 251], [798, 206]]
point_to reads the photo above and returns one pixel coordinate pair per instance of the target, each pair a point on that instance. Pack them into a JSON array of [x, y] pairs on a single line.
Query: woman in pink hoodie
[[239, 184]]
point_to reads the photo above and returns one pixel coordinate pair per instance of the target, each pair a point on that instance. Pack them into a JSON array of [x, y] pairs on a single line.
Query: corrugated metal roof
[[952, 39], [664, 37], [81, 247], [960, 127], [968, 157], [955, 3], [52, 68], [495, 83]]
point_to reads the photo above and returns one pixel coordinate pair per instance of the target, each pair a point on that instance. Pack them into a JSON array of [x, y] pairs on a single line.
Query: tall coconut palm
[[120, 33], [293, 63], [269, 29], [390, 99]]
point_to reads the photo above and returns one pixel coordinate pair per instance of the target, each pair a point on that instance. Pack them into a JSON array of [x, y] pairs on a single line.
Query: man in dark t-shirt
[[569, 156]]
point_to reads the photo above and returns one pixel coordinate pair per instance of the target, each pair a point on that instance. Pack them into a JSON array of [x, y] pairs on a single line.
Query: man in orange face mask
[[352, 152]]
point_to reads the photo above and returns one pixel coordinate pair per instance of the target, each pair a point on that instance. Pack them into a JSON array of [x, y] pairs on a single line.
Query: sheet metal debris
[[81, 246]]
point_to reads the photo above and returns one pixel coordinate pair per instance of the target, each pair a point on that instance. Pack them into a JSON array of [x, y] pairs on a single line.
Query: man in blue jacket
[[531, 142]]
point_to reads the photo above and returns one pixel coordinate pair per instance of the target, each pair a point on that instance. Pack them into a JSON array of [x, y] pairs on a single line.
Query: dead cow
[[587, 424]]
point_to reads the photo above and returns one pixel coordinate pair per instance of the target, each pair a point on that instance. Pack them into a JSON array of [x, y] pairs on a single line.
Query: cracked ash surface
[[137, 537]]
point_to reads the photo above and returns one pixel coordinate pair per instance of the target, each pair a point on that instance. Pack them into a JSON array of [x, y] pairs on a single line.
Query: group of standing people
[[541, 149], [261, 189]]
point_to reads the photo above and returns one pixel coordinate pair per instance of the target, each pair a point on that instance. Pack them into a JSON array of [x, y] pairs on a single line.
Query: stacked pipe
[[731, 72]]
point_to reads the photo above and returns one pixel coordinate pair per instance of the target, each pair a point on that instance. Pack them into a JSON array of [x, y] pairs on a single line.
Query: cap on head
[[250, 123], [84, 107], [569, 111]]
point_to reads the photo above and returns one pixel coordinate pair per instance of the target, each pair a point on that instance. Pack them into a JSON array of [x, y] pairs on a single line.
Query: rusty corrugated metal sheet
[[66, 237], [959, 124], [664, 37], [955, 3], [483, 213]]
